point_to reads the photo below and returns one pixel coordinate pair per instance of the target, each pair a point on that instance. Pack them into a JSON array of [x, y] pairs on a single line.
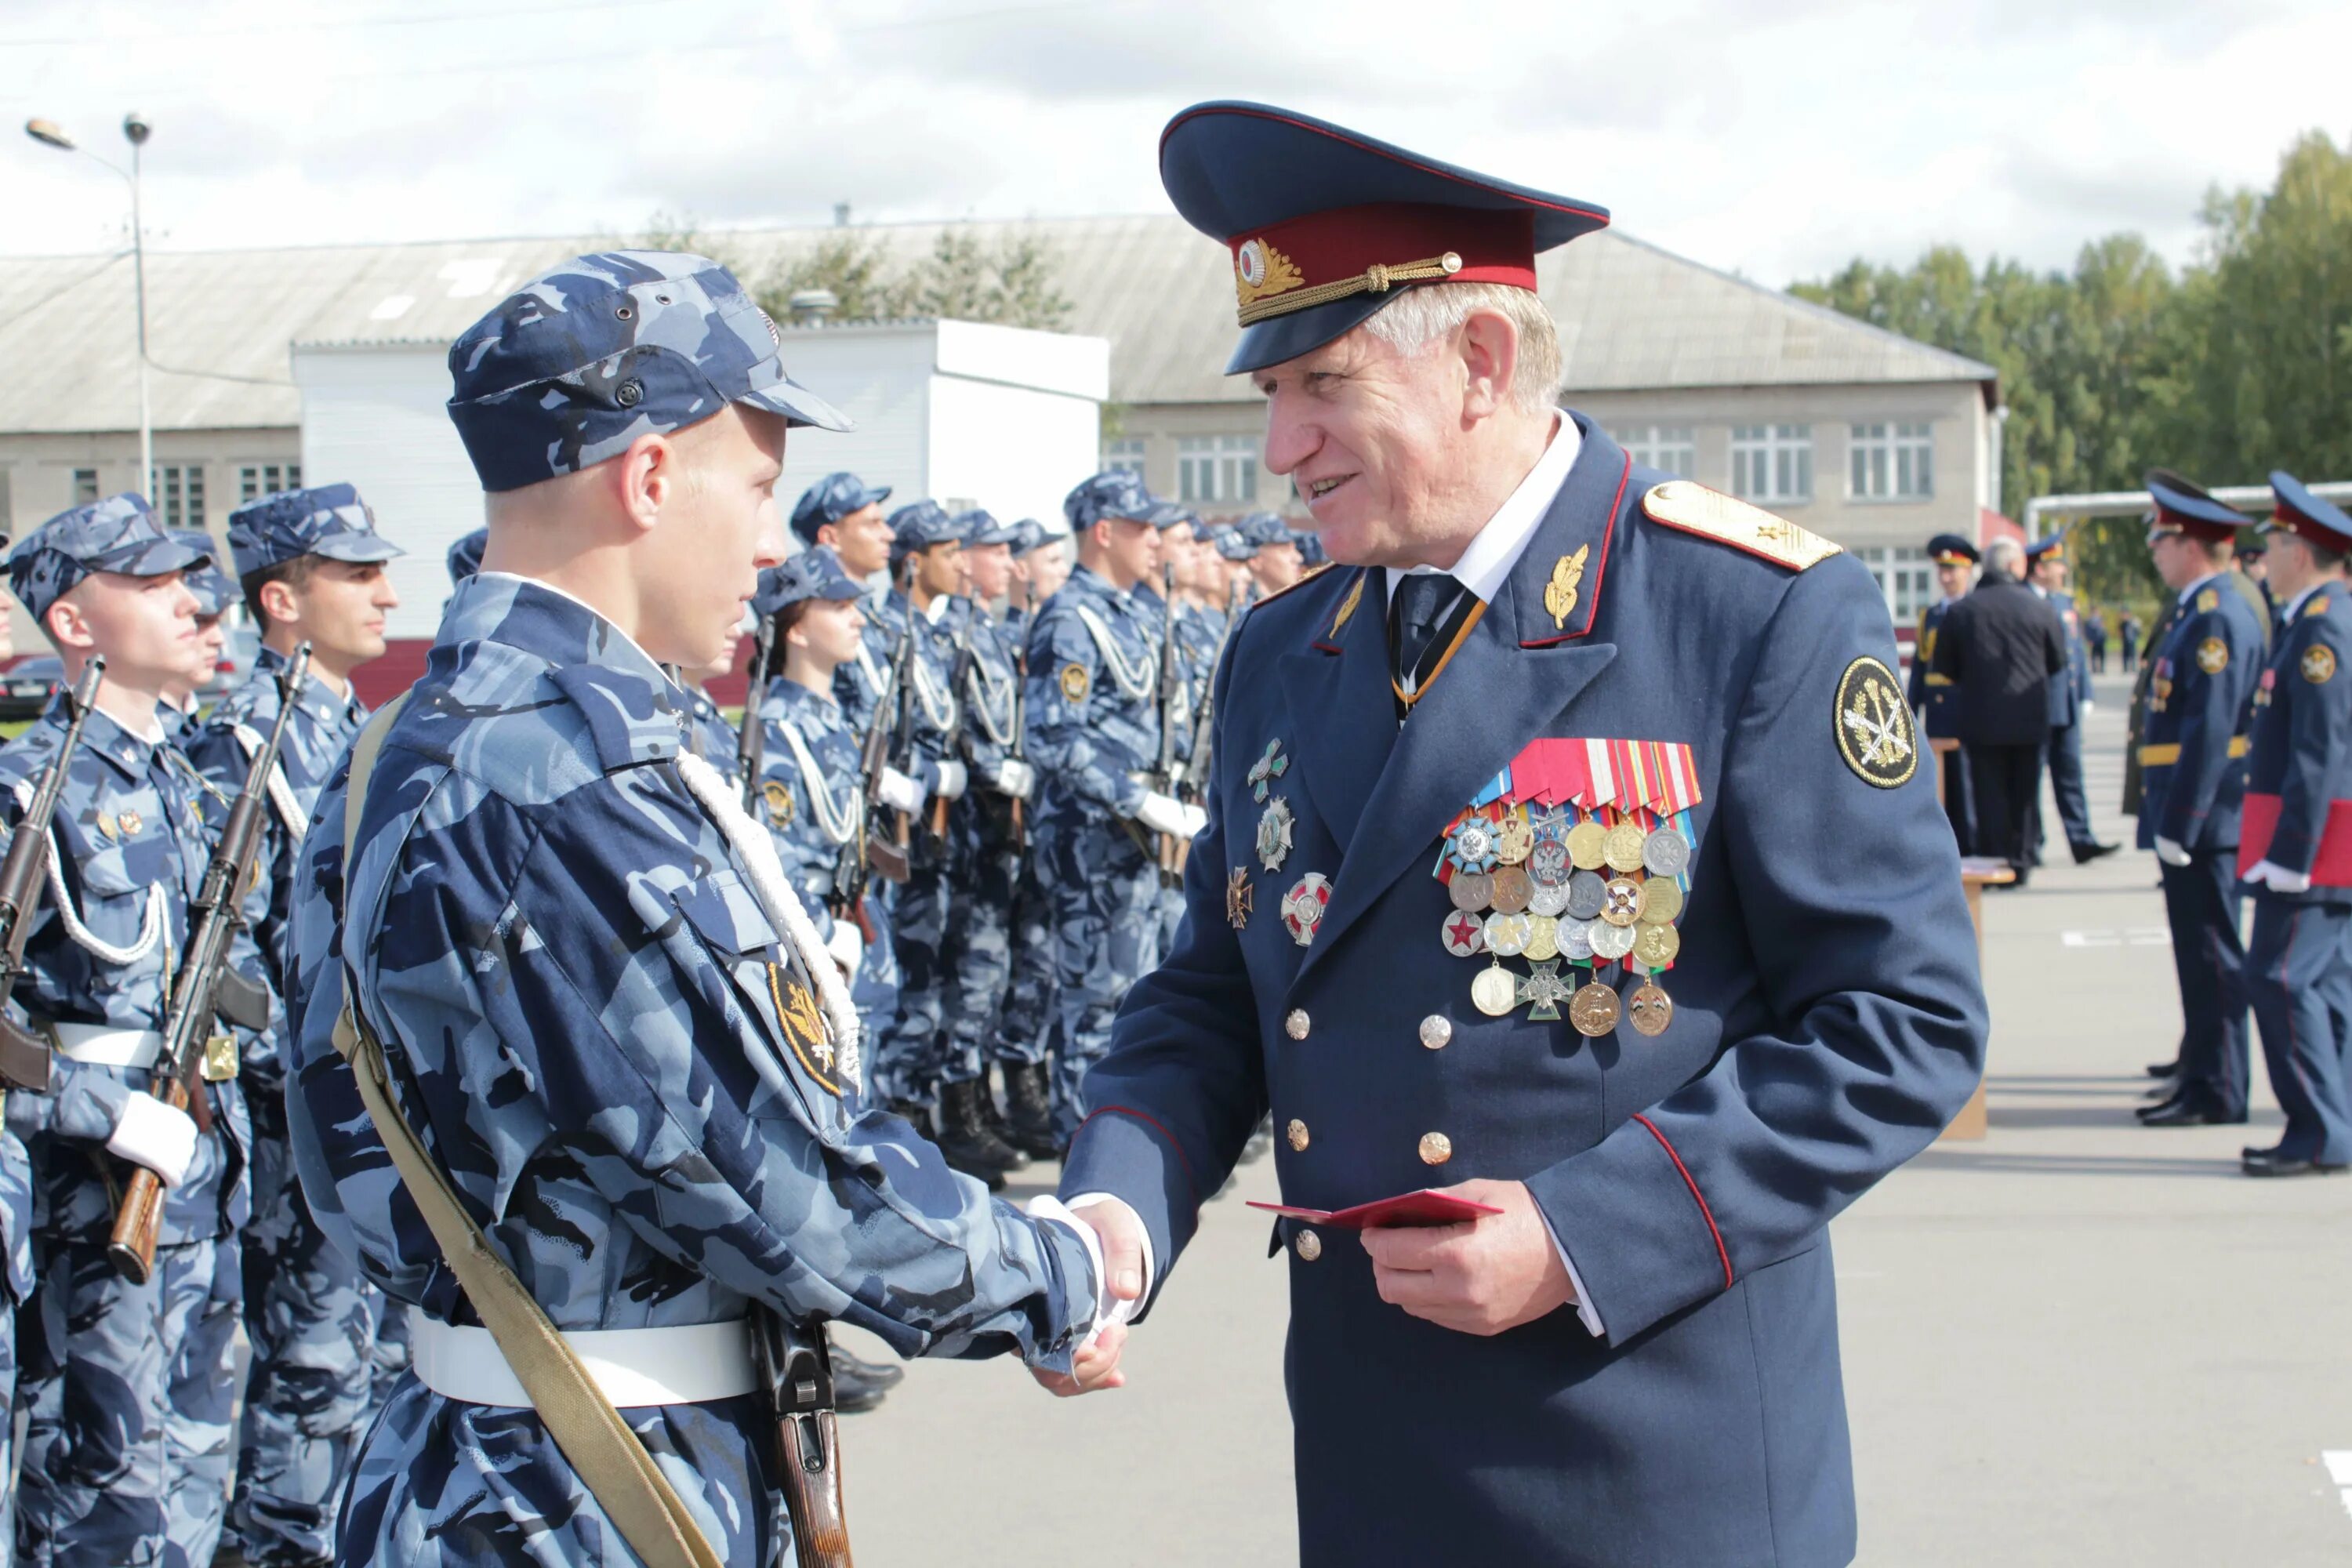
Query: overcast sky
[[1776, 137]]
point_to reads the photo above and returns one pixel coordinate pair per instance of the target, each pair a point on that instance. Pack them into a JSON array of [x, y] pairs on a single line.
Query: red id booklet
[[1421, 1208]]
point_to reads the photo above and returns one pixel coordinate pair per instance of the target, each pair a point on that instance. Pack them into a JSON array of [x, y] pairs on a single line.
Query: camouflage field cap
[[584, 359], [919, 525], [815, 573], [1113, 493], [329, 521], [830, 500], [214, 589], [466, 555], [1265, 527], [1231, 542], [120, 533], [979, 526]]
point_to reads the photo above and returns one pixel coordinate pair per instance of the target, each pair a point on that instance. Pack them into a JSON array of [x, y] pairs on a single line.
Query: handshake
[[1119, 1239]]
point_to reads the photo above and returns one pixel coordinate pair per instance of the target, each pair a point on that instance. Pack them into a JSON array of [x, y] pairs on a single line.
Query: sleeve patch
[[1075, 682], [1873, 726], [2212, 656], [2319, 664], [777, 795]]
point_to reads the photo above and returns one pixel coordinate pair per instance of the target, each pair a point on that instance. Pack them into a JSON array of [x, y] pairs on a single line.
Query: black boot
[[881, 1374], [969, 1146], [1029, 1100]]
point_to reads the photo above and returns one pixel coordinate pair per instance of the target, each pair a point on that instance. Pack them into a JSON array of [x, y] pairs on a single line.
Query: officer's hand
[[1495, 1273], [1097, 1367], [899, 792], [153, 1135]]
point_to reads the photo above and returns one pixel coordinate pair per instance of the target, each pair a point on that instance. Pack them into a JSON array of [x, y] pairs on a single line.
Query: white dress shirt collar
[[2190, 591], [2289, 612], [1487, 561]]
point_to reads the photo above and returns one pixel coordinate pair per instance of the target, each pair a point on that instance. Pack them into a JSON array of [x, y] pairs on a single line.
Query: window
[[1893, 462], [1906, 577], [179, 495], [1772, 462], [1673, 447], [1216, 467], [85, 486], [267, 479], [1124, 455]]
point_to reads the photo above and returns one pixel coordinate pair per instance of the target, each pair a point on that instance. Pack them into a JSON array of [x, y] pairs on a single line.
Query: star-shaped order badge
[[1267, 769], [1274, 825], [1543, 991]]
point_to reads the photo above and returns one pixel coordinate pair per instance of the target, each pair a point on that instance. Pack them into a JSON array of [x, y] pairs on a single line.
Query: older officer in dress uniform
[[1931, 695], [325, 1350], [2070, 704], [602, 1008], [127, 1455], [1646, 939], [2193, 773], [1999, 648], [2296, 845]]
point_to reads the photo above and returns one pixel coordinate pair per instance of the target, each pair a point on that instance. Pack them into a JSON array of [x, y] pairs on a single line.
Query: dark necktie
[[1418, 607]]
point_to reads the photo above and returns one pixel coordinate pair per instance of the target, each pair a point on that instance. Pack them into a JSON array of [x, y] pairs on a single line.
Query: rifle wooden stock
[[796, 1365]]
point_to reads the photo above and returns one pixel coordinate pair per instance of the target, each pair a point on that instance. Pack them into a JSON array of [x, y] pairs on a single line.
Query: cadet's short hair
[[295, 572], [1418, 315]]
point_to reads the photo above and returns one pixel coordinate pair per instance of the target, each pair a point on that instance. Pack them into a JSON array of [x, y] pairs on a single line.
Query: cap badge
[[1559, 594], [1263, 272]]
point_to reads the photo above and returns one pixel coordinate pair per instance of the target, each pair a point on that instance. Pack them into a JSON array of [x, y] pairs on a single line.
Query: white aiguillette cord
[[769, 884]]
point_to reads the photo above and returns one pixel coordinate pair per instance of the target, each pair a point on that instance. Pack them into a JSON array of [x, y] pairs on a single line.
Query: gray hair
[[1421, 315], [2005, 555]]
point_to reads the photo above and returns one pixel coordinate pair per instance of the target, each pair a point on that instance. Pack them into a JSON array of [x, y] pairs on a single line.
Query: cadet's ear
[[68, 625], [647, 477], [1490, 356]]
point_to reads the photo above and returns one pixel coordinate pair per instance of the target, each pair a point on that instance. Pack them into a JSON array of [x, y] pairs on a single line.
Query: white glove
[[1196, 821], [2280, 878], [152, 1134], [847, 945], [901, 793], [2171, 853], [1165, 814], [1015, 778], [954, 776]]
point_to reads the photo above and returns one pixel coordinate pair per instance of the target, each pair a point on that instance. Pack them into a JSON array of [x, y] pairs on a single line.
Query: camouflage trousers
[[979, 955], [1026, 1024], [1106, 922], [327, 1349], [128, 1390], [875, 989], [918, 932]]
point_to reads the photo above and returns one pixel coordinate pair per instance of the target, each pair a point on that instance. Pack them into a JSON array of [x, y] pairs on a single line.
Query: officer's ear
[[1489, 345]]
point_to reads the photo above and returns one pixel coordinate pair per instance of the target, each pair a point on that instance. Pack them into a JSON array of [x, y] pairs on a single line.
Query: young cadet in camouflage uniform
[[215, 593], [326, 1350], [984, 859], [127, 1386], [1275, 562], [1163, 618], [1023, 1046], [843, 513], [15, 1233], [708, 734], [1094, 729], [591, 981]]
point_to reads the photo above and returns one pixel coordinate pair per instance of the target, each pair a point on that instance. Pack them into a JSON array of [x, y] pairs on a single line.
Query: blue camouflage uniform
[[326, 1347], [2298, 812], [709, 735], [215, 593], [2192, 759], [17, 1274], [861, 685], [1025, 1024], [590, 1012], [1688, 1139], [809, 794], [127, 1388], [1094, 731]]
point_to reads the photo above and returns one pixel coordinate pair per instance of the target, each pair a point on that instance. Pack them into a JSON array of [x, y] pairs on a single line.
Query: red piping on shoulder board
[[1599, 571], [1700, 1198], [1153, 1123]]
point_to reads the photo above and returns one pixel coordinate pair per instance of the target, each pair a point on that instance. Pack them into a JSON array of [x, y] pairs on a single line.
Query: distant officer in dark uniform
[[1547, 692], [1999, 646], [2070, 704], [2296, 850], [1931, 695], [2193, 768]]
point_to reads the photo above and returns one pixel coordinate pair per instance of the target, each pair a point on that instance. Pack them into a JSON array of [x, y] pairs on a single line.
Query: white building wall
[[1009, 448]]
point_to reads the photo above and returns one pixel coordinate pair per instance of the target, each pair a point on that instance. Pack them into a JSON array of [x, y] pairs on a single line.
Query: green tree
[[1011, 281], [850, 262]]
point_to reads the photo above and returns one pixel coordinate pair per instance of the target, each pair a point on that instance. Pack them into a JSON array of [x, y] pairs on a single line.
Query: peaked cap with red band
[[2183, 506], [1327, 225], [2308, 516]]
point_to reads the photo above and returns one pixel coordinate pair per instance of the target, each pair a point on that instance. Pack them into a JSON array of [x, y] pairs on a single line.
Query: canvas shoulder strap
[[611, 1459]]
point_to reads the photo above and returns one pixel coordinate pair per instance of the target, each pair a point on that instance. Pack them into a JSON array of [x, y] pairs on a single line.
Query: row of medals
[[1551, 889]]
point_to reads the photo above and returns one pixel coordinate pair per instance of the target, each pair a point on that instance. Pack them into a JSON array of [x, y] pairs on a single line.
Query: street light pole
[[135, 130]]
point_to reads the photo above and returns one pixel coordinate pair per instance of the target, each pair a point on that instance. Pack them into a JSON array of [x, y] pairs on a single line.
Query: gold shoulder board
[[1711, 514]]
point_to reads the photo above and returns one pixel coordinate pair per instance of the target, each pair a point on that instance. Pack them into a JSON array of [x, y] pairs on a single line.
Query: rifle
[[795, 1364], [24, 1056], [1017, 748], [198, 990], [751, 736], [958, 676], [1196, 770], [1165, 776], [861, 853], [902, 688]]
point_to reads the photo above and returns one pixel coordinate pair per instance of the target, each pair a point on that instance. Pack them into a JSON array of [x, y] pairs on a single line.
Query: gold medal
[[1593, 1010], [1654, 946], [1662, 900], [1610, 943], [1513, 839], [1650, 1009], [1621, 902], [1586, 845], [1543, 937], [1621, 846], [1494, 993], [1471, 891], [1512, 889], [1506, 935]]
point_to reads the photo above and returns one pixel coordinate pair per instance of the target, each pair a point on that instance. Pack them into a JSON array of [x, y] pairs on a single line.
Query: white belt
[[106, 1047], [684, 1365]]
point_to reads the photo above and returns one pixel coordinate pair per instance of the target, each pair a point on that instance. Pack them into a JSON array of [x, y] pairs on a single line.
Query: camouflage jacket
[[1093, 712], [808, 794]]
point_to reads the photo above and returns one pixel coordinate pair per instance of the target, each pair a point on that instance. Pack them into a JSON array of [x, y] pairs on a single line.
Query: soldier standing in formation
[[1930, 693], [844, 512], [1274, 562]]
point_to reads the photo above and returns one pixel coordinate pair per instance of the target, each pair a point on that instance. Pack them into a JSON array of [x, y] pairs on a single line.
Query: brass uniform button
[[1436, 1032], [1295, 1025], [1436, 1148], [1297, 1133], [1310, 1247]]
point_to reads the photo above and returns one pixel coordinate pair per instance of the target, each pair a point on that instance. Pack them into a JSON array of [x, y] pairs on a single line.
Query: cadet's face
[[1049, 568], [1276, 566], [940, 569], [831, 630], [212, 641], [862, 540], [991, 566], [718, 528], [342, 609], [1373, 439], [1133, 549], [146, 627], [724, 664]]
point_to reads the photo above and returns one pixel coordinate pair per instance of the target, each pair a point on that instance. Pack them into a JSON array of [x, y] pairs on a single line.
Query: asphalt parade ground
[[2078, 1341]]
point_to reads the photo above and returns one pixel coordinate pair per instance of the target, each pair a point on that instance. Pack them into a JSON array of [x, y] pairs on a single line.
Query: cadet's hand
[[1097, 1367], [1164, 813], [847, 946], [1493, 1274], [899, 792], [153, 1135], [952, 778], [1015, 778]]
